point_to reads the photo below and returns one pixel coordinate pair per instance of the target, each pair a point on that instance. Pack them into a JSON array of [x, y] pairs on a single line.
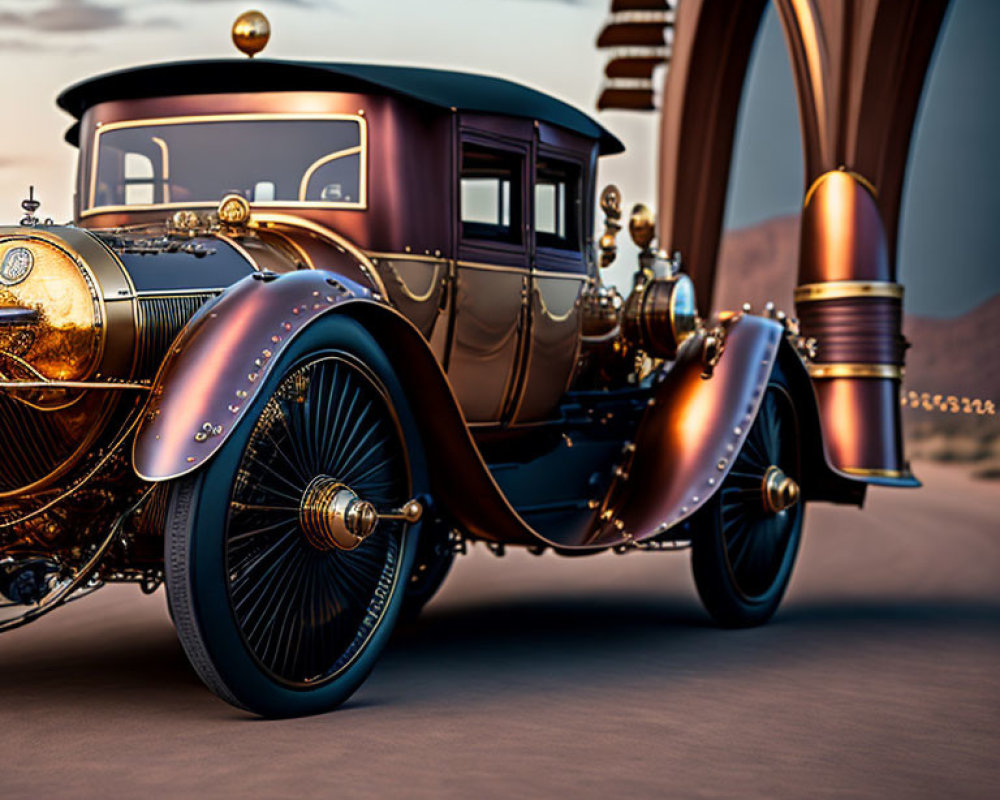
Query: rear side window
[[491, 194], [557, 204]]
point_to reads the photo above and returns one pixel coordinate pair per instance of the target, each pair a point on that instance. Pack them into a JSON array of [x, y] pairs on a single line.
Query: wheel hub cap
[[779, 490], [333, 517]]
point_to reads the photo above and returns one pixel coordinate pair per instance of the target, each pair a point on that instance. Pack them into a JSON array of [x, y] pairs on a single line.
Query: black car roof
[[441, 88]]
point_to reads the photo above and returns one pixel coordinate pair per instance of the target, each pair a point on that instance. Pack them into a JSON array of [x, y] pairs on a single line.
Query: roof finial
[[251, 32]]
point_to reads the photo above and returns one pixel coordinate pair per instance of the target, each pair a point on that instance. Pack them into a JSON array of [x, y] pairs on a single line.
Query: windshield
[[316, 160]]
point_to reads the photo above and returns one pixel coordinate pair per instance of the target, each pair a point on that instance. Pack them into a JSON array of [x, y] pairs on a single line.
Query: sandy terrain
[[599, 677]]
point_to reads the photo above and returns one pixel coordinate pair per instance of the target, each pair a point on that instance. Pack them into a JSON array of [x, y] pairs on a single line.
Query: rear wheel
[[746, 538], [283, 579]]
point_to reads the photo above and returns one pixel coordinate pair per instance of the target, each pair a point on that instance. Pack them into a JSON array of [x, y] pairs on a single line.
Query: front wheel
[[284, 576], [747, 536]]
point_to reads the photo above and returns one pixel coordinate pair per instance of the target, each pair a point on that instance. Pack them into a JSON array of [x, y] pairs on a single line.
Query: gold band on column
[[891, 371], [838, 290]]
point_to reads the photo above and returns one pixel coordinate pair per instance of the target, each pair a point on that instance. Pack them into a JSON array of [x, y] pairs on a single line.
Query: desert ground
[[593, 677]]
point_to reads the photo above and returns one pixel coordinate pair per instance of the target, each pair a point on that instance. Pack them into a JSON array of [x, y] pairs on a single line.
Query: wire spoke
[[303, 611], [756, 540]]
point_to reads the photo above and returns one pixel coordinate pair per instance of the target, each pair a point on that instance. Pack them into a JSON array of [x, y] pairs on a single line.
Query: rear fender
[[690, 433]]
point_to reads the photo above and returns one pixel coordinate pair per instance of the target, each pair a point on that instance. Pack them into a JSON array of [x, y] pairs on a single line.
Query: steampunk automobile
[[316, 327]]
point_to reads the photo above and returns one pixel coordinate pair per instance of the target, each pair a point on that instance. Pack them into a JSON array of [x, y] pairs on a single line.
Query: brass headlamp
[[661, 315]]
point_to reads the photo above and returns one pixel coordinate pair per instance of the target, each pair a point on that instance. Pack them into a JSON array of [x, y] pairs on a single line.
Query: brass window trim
[[102, 128]]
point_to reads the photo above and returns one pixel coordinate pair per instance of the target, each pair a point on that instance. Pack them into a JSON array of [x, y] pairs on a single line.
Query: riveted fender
[[691, 431], [210, 376]]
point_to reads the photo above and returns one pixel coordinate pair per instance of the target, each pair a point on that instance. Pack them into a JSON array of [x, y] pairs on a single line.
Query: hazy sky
[[46, 45]]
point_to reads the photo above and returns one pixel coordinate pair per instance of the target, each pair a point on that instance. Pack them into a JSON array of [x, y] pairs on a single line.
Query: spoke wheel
[[747, 536], [283, 579], [430, 567], [304, 612]]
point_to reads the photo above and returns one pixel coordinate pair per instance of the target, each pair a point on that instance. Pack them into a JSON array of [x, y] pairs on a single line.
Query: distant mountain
[[759, 264], [948, 356]]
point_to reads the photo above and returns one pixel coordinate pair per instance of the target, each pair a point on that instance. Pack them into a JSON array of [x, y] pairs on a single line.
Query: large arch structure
[[859, 69]]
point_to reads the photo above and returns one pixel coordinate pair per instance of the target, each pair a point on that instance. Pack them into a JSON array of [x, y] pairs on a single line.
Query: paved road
[[599, 677]]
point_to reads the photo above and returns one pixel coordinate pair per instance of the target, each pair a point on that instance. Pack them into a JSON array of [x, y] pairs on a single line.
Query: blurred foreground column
[[859, 70]]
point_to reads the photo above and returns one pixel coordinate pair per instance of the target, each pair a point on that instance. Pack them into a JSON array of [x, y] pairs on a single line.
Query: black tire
[[430, 567], [242, 578], [742, 554]]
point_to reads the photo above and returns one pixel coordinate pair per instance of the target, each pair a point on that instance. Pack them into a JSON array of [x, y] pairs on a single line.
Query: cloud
[[327, 4], [66, 15], [20, 46]]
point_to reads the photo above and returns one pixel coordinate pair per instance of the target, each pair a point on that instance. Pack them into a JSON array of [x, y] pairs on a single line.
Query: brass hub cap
[[779, 491], [333, 517]]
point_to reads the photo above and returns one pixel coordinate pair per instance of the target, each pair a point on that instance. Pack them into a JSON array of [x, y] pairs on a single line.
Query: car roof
[[446, 89]]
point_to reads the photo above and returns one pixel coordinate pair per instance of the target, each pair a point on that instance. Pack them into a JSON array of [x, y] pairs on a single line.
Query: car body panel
[[683, 444]]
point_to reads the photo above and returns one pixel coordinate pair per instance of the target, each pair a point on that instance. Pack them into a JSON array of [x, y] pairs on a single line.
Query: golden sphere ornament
[[251, 32]]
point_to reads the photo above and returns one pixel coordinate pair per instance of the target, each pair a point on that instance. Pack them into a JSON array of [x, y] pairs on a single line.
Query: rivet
[[722, 463], [295, 311], [275, 339], [234, 408], [252, 377], [315, 294], [265, 353], [241, 393], [711, 481], [200, 437], [258, 363], [190, 459], [738, 430], [694, 499], [286, 325], [684, 509]]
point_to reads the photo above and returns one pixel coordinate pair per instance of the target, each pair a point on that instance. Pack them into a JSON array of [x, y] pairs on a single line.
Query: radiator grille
[[34, 443], [160, 320]]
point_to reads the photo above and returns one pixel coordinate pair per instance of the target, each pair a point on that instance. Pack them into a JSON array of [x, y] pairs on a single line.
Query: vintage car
[[316, 327]]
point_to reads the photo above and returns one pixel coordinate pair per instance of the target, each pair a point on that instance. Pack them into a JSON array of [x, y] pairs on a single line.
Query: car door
[[492, 270], [559, 220]]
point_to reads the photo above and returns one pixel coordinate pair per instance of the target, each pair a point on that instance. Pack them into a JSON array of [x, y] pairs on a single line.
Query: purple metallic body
[[684, 442]]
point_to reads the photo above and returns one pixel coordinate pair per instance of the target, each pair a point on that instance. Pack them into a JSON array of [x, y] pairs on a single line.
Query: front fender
[[208, 379]]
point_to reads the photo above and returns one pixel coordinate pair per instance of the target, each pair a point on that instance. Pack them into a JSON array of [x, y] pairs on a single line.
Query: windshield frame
[[361, 204]]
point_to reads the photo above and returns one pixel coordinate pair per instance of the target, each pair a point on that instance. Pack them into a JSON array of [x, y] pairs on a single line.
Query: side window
[[557, 204], [491, 194]]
